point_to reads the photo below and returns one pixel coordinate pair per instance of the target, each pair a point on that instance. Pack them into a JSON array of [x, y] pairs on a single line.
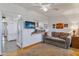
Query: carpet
[[43, 49]]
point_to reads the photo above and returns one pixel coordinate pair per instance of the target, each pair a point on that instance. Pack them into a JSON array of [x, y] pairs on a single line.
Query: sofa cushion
[[53, 33], [60, 35], [57, 34], [63, 35], [55, 38]]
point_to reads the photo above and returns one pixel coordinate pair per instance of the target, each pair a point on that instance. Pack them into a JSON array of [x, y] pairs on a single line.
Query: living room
[[42, 29]]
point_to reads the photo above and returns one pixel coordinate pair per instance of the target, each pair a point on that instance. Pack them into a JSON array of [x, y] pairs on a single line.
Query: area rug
[[43, 49]]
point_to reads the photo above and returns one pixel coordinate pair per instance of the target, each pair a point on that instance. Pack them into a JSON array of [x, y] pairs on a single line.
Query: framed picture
[[53, 25], [59, 26], [65, 25], [29, 25]]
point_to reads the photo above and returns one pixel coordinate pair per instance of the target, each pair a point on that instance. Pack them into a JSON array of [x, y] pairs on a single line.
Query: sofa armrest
[[69, 39], [68, 42]]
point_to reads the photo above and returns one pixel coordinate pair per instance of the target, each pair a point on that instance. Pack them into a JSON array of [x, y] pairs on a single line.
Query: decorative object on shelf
[[59, 26], [46, 33], [53, 25], [65, 25], [74, 33], [74, 29]]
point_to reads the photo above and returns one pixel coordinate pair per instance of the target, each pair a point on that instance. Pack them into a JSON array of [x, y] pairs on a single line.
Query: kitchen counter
[[37, 32]]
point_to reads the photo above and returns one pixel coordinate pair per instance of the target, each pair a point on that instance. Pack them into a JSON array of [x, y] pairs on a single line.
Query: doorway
[[10, 37]]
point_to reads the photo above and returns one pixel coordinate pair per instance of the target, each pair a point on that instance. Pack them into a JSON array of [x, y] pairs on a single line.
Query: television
[[29, 25]]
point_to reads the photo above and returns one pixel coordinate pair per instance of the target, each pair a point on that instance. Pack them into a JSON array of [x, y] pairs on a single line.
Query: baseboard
[[32, 45]]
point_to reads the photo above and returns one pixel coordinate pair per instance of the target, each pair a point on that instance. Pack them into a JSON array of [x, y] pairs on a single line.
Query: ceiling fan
[[46, 6], [43, 6]]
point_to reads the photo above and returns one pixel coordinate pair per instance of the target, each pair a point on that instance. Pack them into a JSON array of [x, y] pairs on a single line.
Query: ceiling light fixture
[[45, 7]]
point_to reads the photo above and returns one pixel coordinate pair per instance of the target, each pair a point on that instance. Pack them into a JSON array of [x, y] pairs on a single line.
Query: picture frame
[[59, 26], [65, 25], [54, 25]]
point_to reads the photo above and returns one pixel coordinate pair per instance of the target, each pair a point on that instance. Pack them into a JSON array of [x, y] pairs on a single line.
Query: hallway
[[10, 46]]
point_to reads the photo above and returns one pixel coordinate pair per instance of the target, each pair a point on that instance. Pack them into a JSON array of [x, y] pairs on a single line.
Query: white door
[[12, 30]]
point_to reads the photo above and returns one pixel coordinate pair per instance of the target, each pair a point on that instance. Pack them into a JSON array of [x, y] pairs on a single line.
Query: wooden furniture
[[75, 42]]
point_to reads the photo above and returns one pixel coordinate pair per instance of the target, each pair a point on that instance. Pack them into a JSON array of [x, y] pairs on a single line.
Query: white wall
[[12, 10], [74, 20], [56, 19], [12, 30]]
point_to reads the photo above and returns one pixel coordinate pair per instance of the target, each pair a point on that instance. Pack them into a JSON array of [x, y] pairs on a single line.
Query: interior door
[[10, 41], [12, 30]]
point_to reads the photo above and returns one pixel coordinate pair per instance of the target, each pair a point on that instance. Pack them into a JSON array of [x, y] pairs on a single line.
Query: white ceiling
[[69, 10], [55, 8]]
